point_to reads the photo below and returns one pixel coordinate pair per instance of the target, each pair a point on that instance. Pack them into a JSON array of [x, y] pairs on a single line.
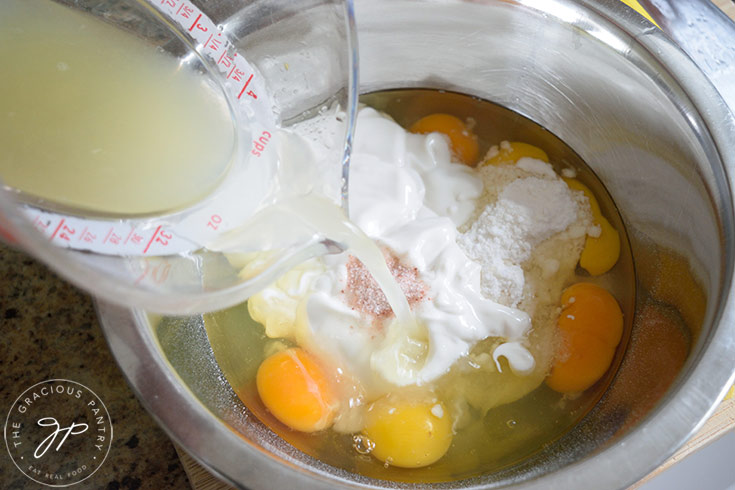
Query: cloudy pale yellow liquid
[[94, 119]]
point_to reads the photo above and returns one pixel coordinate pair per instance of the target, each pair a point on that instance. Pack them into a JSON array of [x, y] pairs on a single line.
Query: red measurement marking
[[215, 44], [56, 230], [132, 229], [163, 238], [195, 22], [186, 11], [41, 226], [67, 233], [245, 86], [214, 221], [226, 61], [89, 237], [107, 236], [145, 250], [238, 74], [260, 143], [81, 235], [208, 39], [179, 9]]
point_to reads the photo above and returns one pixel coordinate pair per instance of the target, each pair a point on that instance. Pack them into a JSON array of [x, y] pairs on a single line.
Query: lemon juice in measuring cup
[[135, 133]]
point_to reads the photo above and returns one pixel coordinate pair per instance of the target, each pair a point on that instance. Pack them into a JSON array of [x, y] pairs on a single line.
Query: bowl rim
[[633, 456]]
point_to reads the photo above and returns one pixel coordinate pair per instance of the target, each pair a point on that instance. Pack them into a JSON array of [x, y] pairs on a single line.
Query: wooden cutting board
[[726, 6], [722, 420]]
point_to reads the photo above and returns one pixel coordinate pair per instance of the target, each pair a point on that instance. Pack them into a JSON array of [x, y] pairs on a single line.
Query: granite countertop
[[50, 330]]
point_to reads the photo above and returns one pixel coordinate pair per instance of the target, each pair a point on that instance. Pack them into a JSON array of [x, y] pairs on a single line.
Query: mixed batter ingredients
[[490, 252]]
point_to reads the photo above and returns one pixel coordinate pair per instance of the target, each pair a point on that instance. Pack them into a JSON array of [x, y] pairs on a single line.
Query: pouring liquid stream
[[325, 219], [331, 221]]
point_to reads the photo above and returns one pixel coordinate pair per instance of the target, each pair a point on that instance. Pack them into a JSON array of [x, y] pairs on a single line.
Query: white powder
[[532, 205], [526, 261], [535, 166]]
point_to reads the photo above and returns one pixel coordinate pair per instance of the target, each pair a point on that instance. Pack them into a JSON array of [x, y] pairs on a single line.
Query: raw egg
[[590, 328], [602, 252], [296, 389], [463, 142], [408, 433]]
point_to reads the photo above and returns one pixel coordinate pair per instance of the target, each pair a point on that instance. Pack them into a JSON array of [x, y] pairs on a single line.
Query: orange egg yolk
[[600, 253], [509, 154], [590, 328], [463, 142], [296, 389], [408, 433]]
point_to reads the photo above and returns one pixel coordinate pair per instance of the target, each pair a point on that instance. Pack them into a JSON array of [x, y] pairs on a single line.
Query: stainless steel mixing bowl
[[635, 108]]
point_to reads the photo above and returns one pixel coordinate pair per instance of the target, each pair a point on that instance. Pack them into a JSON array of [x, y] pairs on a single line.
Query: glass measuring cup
[[272, 73]]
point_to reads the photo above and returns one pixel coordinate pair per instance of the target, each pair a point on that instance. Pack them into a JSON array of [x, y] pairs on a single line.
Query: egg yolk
[[408, 434], [590, 327], [296, 389], [463, 142], [600, 253], [514, 151]]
